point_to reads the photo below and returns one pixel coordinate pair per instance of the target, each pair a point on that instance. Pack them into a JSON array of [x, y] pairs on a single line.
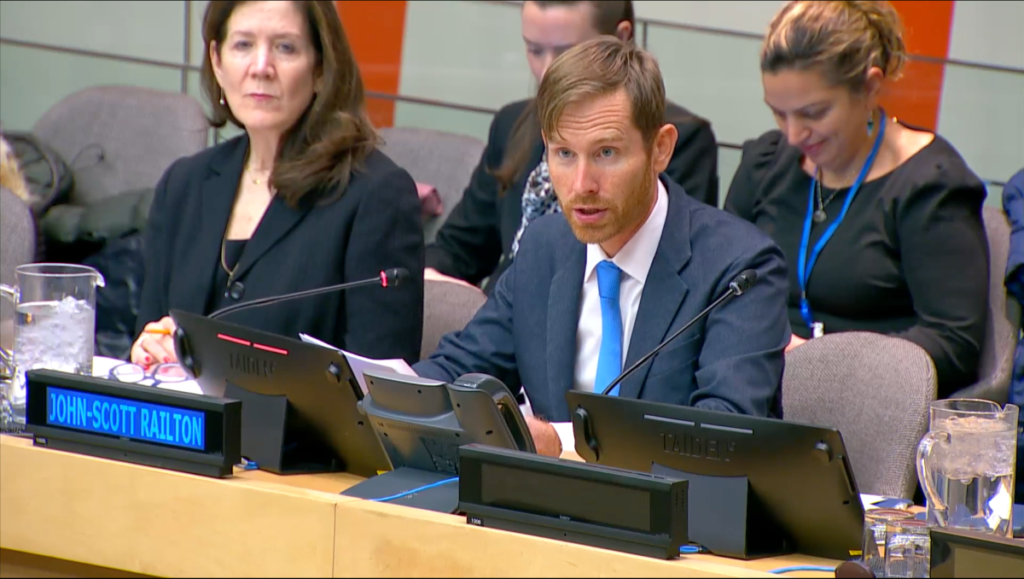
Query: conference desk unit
[[64, 514]]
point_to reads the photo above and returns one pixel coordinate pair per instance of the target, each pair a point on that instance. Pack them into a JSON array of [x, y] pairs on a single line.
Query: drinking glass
[[873, 549], [907, 548]]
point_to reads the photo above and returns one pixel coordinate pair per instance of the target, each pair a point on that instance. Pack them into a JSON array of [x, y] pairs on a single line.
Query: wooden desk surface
[[157, 522]]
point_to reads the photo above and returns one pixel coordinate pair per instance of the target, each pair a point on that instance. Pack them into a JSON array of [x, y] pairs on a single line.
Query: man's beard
[[618, 218]]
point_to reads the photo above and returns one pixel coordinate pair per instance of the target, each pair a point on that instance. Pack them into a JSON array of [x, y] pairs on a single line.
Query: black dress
[[910, 258]]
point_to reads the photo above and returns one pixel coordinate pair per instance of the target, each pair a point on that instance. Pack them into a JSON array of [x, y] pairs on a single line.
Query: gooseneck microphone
[[737, 287], [387, 278]]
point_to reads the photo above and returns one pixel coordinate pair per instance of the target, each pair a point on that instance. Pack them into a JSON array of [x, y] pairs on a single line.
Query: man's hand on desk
[[544, 437]]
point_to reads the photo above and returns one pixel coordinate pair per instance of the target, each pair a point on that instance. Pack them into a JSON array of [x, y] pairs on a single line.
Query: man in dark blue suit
[[632, 260]]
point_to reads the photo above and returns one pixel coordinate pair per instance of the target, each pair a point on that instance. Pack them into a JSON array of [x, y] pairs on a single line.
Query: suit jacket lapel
[[664, 291], [278, 220], [218, 196], [563, 319]]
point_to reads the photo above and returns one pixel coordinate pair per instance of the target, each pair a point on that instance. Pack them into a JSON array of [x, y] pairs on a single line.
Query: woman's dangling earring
[[871, 124]]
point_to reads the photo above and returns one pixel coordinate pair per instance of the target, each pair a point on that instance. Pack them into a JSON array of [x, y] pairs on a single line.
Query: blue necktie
[[609, 361]]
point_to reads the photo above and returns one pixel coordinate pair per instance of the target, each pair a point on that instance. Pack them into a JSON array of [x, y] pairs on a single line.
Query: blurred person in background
[[11, 177], [1013, 205], [880, 221], [304, 199], [511, 186], [13, 180]]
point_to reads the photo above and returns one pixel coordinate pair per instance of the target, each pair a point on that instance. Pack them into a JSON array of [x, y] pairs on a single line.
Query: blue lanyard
[[805, 265]]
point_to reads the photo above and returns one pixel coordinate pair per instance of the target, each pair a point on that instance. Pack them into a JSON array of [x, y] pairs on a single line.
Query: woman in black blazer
[[303, 200]]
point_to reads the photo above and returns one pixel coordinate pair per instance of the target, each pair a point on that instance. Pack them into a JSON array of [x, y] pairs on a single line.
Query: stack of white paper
[[360, 364]]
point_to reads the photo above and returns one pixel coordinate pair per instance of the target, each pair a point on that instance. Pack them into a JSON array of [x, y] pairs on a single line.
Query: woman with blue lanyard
[[880, 221]]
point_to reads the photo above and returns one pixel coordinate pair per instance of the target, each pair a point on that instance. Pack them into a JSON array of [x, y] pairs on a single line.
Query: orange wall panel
[[916, 97], [375, 29]]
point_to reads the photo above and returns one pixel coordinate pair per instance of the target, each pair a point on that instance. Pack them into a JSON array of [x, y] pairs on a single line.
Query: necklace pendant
[[820, 216]]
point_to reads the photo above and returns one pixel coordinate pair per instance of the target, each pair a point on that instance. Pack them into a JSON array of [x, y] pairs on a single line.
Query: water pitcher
[[54, 327], [966, 465]]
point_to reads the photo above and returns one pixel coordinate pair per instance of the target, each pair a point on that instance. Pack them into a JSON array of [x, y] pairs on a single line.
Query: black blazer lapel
[[276, 223], [218, 196], [664, 291], [563, 319]]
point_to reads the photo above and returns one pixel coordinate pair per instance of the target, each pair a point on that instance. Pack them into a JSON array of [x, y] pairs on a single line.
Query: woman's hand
[[156, 344], [795, 341]]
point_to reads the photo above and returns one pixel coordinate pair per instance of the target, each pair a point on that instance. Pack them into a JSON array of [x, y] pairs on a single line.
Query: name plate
[[139, 424], [572, 501]]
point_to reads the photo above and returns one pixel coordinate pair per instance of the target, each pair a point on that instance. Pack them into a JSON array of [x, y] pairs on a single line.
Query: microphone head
[[393, 277], [742, 282]]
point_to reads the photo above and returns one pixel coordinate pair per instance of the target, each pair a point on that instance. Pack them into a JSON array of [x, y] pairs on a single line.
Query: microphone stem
[[297, 295], [731, 293]]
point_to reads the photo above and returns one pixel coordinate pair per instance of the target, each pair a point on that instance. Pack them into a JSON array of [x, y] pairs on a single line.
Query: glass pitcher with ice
[[54, 326], [966, 465]]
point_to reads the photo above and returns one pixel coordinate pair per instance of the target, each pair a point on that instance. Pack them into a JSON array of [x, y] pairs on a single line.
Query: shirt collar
[[636, 256]]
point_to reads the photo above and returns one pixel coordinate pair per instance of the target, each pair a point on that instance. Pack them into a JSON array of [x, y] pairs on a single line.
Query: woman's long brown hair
[[332, 138]]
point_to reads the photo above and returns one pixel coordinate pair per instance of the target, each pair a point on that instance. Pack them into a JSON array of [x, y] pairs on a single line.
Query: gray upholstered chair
[[119, 138], [875, 389], [444, 160], [996, 368], [447, 307]]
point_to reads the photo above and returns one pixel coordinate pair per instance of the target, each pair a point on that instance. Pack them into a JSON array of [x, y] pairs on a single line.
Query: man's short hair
[[600, 67]]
